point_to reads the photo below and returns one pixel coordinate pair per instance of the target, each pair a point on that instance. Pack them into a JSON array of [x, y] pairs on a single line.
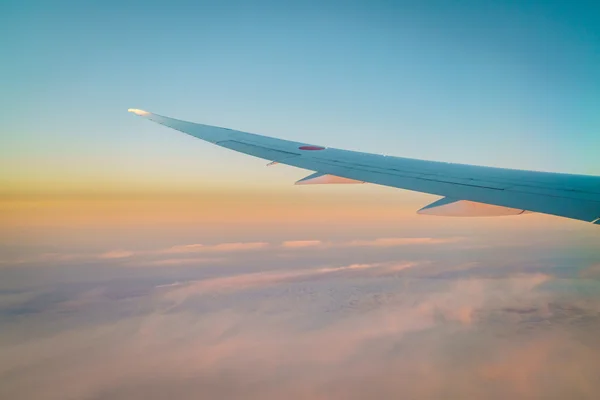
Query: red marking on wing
[[311, 148]]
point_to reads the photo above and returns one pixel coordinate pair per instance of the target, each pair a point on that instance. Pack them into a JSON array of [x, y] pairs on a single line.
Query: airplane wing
[[467, 190]]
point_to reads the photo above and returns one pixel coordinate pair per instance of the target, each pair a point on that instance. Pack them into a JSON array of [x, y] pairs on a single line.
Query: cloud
[[116, 254], [177, 261], [383, 267], [301, 243], [216, 248], [342, 339], [378, 242], [292, 244], [401, 241], [241, 282], [47, 258], [468, 295], [592, 272]]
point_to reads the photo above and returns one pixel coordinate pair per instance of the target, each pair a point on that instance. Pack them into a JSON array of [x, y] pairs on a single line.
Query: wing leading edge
[[565, 195]]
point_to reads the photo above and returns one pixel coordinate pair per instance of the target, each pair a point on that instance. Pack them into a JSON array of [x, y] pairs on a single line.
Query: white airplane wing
[[467, 190]]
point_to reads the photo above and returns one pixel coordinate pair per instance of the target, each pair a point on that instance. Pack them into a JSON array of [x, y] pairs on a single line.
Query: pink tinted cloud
[[269, 278], [378, 242], [402, 241], [469, 295], [216, 248], [301, 243], [116, 254], [179, 261], [260, 355], [228, 247]]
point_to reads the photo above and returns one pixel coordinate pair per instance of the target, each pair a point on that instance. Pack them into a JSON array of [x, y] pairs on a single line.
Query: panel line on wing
[[423, 177], [258, 151], [569, 192], [488, 183]]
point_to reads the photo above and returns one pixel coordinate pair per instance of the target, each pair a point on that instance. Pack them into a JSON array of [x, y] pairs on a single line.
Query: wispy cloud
[[401, 241], [301, 243], [116, 254], [177, 261], [216, 248], [377, 242], [244, 281], [119, 255]]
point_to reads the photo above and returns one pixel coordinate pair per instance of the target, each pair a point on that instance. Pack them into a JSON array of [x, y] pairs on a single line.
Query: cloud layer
[[343, 318], [165, 256]]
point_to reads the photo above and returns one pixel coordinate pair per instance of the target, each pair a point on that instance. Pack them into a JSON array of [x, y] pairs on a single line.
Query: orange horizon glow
[[243, 209]]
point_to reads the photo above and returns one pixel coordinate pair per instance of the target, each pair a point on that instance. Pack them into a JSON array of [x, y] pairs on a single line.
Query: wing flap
[[448, 207], [319, 178]]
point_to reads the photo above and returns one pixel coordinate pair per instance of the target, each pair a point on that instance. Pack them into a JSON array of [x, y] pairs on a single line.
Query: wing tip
[[139, 112]]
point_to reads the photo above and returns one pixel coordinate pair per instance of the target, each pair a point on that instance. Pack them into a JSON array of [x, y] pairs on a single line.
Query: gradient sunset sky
[[513, 84], [138, 262]]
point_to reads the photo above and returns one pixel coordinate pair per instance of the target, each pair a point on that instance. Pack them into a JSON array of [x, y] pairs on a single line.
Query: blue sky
[[512, 84]]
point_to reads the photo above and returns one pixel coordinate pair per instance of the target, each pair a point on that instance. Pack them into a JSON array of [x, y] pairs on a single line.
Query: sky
[[501, 83], [138, 262]]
